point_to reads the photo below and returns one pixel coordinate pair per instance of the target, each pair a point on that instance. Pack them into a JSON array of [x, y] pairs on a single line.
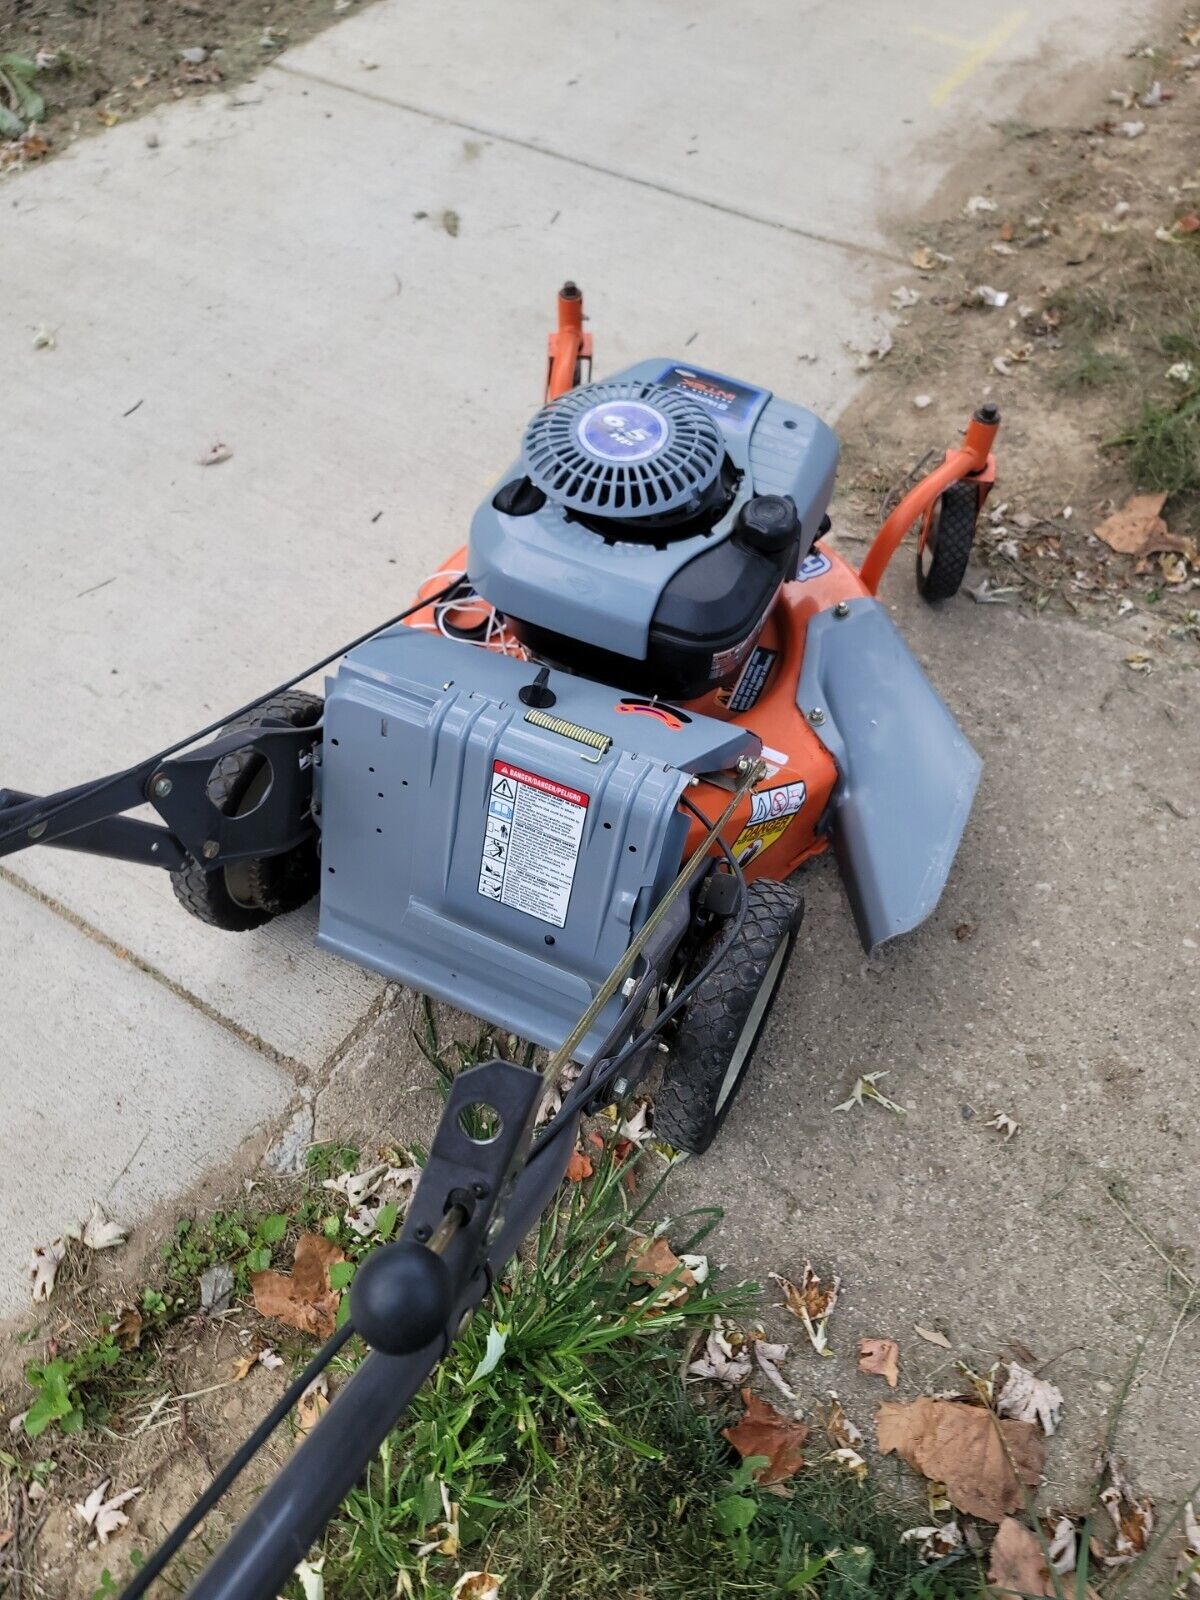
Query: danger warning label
[[771, 813], [531, 842]]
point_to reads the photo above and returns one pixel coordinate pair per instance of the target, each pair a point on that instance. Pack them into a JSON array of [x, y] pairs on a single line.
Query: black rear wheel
[[711, 1051], [247, 893], [942, 558]]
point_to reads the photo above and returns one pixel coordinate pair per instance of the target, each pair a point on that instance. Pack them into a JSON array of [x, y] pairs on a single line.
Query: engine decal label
[[771, 813], [725, 396], [814, 564], [753, 679], [531, 842], [622, 430]]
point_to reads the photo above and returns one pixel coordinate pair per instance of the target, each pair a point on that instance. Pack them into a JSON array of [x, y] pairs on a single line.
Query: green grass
[[1088, 367], [559, 1428]]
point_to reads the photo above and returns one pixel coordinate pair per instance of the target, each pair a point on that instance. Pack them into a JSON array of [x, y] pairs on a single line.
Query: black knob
[[538, 693], [519, 498], [988, 412], [401, 1298], [769, 523]]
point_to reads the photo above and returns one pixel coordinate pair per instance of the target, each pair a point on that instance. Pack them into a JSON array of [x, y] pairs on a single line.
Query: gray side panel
[[907, 775], [414, 725]]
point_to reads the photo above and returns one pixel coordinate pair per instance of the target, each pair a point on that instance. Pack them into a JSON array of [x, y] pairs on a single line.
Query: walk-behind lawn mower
[[566, 790]]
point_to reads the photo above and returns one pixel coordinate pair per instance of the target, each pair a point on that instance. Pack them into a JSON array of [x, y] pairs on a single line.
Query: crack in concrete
[[850, 246], [297, 1069]]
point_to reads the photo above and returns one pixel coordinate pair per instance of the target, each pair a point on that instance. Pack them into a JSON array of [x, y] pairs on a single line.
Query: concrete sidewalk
[[274, 272]]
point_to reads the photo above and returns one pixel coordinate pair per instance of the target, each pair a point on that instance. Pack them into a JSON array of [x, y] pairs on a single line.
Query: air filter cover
[[623, 449]]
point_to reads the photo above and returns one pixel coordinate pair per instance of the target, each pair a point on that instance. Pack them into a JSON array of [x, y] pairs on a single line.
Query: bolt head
[[816, 716], [620, 1088], [161, 787], [210, 850], [36, 831], [629, 988], [842, 609]]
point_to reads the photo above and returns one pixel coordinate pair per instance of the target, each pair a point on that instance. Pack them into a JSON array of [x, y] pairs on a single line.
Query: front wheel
[[713, 1047], [946, 539]]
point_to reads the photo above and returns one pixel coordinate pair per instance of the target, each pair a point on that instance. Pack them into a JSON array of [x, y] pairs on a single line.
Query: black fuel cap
[[769, 523]]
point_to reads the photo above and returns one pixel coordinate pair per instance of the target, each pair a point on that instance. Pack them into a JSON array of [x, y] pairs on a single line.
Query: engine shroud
[[620, 545]]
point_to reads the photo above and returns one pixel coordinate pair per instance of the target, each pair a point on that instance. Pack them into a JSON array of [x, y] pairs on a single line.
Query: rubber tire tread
[[686, 1115], [278, 883], [955, 536]]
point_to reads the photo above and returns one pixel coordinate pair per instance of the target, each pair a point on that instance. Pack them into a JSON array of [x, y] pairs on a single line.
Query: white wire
[[496, 635]]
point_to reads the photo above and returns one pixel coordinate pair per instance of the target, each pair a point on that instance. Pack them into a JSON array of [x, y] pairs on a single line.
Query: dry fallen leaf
[[924, 259], [1062, 1542], [304, 1299], [1132, 528], [763, 1431], [867, 1088], [841, 1432], [477, 1586], [768, 1357], [966, 1448], [98, 1232], [312, 1405], [1004, 1125], [1017, 1567], [934, 1543], [932, 1336], [721, 1361], [127, 1329], [44, 1262], [1029, 1399], [1132, 1517], [651, 1262], [105, 1517], [811, 1303], [881, 1358], [215, 454], [579, 1167]]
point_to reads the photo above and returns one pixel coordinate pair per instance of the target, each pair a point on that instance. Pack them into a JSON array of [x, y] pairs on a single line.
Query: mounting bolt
[[620, 1088], [479, 1190], [743, 765], [842, 609], [816, 716], [36, 831], [210, 849], [629, 988], [160, 786], [422, 1233]]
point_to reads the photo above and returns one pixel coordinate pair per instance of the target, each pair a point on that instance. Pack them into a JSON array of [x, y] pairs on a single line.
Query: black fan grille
[[683, 466]]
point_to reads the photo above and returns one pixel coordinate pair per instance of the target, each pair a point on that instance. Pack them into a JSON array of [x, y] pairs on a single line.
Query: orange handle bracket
[[569, 345], [972, 460]]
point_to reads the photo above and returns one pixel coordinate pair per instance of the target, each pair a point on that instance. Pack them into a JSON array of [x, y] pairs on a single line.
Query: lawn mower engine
[[645, 534]]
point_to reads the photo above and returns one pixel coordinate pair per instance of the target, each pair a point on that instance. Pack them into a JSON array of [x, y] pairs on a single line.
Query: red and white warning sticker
[[531, 842]]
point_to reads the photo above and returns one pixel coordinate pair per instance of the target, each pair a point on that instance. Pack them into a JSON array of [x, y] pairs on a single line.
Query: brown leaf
[[881, 1358], [1131, 529], [1017, 1566], [244, 1365], [655, 1261], [6, 1536], [965, 930], [967, 1448], [1190, 223], [579, 1167], [127, 1329], [933, 1336], [763, 1431], [1132, 1517], [304, 1299], [812, 1302], [312, 1405]]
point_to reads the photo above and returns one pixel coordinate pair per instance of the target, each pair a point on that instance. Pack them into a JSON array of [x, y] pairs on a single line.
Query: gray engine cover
[[560, 574], [512, 902]]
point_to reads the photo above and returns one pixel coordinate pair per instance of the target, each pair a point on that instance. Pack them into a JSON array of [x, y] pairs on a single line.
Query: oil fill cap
[[769, 523]]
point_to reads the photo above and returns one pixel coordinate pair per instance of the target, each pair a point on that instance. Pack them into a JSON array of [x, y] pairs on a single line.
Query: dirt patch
[[99, 62], [1066, 288]]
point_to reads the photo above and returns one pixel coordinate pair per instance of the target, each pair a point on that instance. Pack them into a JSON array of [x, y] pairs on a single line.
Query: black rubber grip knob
[[401, 1298], [769, 523]]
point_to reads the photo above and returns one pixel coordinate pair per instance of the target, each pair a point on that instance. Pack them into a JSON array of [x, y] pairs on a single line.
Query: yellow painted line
[[975, 53]]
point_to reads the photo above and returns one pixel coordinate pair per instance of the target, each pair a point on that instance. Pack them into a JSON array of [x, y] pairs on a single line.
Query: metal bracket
[[478, 1150]]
